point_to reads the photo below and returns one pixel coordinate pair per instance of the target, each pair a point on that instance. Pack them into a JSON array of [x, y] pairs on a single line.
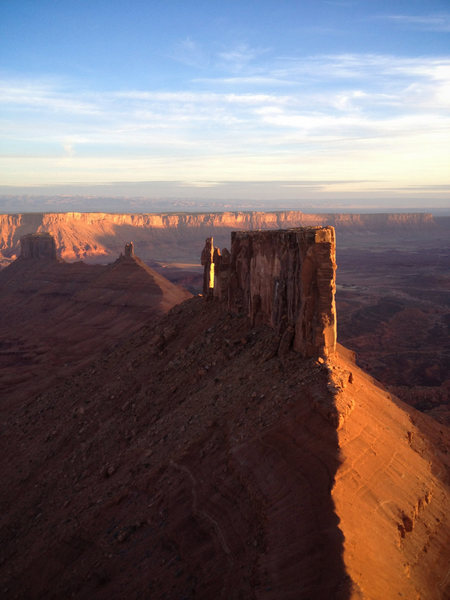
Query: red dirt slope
[[57, 316], [201, 460]]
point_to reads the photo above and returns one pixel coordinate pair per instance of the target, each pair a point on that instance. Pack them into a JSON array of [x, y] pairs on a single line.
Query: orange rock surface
[[158, 236]]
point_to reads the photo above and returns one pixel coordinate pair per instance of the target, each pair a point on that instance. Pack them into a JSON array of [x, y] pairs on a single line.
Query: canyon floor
[[393, 303]]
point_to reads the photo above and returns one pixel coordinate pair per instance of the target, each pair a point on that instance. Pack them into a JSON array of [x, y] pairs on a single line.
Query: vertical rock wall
[[285, 279], [38, 245], [207, 260]]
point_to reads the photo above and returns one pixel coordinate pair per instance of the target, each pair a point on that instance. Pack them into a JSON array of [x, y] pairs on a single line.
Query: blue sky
[[313, 99]]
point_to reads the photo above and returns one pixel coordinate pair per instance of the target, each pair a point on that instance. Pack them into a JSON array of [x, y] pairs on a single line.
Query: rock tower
[[129, 249], [284, 278]]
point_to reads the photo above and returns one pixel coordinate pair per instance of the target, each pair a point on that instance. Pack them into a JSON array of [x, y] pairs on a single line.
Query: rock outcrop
[[285, 279], [207, 261], [129, 249], [38, 245]]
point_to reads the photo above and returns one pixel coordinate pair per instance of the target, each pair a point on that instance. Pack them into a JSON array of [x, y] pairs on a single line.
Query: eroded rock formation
[[38, 245], [129, 249], [285, 279], [207, 261]]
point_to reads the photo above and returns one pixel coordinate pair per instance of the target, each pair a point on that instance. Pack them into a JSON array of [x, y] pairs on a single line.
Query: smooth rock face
[[285, 279], [38, 245]]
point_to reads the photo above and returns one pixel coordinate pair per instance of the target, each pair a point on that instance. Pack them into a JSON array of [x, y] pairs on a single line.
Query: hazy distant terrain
[[134, 198]]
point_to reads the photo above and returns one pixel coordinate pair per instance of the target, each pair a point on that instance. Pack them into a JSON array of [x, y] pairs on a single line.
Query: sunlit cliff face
[[99, 236]]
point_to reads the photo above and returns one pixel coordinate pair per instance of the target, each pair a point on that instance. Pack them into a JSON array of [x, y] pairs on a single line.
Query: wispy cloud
[[435, 22], [239, 57], [381, 117], [252, 80], [44, 95], [190, 52]]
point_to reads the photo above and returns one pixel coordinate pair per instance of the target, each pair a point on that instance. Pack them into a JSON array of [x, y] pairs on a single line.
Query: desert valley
[[158, 443]]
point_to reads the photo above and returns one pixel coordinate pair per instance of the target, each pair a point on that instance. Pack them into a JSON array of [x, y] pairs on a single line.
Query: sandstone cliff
[[285, 279], [173, 236]]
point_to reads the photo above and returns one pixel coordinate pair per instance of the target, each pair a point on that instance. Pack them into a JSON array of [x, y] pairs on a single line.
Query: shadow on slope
[[58, 316], [191, 462]]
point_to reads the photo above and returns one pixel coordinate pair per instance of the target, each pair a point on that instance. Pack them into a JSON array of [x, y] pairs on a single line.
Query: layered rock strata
[[38, 245], [285, 279], [176, 236]]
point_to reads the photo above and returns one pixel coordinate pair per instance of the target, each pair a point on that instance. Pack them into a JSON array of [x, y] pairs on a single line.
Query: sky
[[283, 101]]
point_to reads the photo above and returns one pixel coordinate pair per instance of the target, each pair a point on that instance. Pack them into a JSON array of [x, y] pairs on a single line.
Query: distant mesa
[[282, 278], [40, 246]]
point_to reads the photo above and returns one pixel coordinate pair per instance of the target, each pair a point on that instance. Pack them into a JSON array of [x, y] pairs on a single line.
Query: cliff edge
[[177, 236]]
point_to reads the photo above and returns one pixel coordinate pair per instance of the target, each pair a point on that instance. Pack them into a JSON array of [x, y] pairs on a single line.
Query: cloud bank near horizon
[[232, 103]]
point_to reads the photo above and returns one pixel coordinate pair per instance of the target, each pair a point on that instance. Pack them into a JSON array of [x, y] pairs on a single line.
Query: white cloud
[[240, 56], [382, 117], [44, 96], [436, 22], [190, 53], [68, 148]]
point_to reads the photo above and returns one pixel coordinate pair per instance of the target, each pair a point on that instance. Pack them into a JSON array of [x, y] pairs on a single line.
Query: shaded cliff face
[[200, 460], [174, 237], [285, 279], [39, 246]]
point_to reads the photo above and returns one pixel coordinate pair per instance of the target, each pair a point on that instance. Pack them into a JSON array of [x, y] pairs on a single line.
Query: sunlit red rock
[[285, 279]]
